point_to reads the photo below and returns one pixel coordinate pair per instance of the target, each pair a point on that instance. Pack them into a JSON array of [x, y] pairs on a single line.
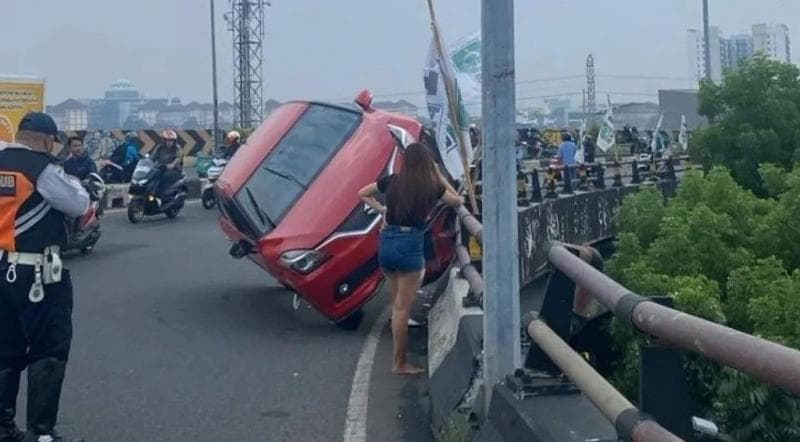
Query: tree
[[754, 118], [725, 255]]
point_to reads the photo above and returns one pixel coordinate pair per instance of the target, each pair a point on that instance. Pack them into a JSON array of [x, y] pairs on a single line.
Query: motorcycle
[[144, 193], [84, 232], [208, 198]]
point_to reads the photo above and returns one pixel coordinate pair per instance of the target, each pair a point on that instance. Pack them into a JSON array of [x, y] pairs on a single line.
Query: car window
[[295, 162]]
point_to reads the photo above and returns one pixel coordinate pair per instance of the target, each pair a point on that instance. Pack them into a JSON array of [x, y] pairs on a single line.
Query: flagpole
[[454, 109]]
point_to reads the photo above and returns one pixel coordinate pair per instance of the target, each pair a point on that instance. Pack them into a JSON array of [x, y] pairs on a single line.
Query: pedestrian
[[36, 197], [79, 164], [588, 149], [566, 154], [411, 195]]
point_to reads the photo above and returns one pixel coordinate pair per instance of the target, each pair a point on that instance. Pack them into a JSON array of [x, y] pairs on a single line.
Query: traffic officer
[[36, 198]]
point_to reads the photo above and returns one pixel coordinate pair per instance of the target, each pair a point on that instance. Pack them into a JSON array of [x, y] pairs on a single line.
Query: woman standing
[[411, 195]]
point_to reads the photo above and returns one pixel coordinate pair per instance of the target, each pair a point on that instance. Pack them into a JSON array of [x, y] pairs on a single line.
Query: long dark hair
[[416, 188]]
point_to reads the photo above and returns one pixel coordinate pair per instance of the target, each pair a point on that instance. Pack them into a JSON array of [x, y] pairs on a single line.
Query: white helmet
[[233, 136]]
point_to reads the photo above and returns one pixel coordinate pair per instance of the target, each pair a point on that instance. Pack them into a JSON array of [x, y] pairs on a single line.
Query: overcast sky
[[329, 49]]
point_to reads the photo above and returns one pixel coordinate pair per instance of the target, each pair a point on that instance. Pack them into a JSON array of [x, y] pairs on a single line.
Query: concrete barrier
[[117, 194]]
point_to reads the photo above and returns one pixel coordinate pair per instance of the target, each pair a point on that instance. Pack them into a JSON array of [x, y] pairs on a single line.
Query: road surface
[[176, 341]]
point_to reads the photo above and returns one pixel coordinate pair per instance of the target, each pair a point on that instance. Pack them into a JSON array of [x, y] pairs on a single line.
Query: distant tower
[[590, 87], [246, 22]]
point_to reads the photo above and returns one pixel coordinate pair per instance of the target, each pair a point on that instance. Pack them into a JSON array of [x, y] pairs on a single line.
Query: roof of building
[[68, 105]]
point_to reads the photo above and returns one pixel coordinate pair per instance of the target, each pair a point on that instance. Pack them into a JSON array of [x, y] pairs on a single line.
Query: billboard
[[18, 96]]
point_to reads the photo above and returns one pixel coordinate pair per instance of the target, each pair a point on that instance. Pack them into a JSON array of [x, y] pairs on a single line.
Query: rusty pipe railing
[[473, 226], [765, 360], [469, 272], [630, 423]]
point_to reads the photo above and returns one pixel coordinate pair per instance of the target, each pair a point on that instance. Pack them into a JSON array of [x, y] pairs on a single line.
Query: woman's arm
[[442, 179], [452, 199], [367, 194]]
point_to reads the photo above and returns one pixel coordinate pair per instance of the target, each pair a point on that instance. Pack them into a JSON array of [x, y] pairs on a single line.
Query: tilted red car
[[289, 201]]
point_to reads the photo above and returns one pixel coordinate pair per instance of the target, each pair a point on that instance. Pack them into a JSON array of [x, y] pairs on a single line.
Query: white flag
[[683, 137], [436, 72], [607, 136], [580, 157], [656, 134]]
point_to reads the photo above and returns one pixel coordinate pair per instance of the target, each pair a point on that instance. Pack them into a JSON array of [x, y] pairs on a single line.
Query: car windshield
[[294, 163]]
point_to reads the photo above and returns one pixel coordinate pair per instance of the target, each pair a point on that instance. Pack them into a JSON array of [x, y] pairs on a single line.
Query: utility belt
[[47, 269]]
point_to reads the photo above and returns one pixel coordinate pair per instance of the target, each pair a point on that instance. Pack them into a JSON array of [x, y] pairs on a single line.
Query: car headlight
[[304, 261]]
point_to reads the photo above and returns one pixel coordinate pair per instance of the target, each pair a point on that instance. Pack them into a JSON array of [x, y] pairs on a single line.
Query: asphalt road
[[176, 341]]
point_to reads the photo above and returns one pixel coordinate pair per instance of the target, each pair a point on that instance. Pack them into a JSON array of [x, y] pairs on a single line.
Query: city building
[[740, 47], [773, 41], [70, 115], [720, 59], [124, 107], [728, 53]]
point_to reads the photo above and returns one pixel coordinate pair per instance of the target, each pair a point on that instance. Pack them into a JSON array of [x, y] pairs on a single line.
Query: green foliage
[[752, 411], [755, 116], [773, 178], [725, 255]]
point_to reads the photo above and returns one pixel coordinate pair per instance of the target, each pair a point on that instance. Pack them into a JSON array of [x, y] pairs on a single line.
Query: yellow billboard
[[18, 96]]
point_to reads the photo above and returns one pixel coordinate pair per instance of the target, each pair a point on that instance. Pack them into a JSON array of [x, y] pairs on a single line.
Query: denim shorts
[[401, 249]]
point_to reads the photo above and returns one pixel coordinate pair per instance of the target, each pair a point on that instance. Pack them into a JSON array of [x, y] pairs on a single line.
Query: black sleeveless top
[[418, 215]]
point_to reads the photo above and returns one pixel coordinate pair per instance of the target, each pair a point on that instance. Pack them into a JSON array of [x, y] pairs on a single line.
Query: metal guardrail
[[630, 423], [767, 361]]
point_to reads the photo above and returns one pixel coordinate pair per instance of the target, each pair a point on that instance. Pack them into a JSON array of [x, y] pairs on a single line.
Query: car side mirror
[[240, 249]]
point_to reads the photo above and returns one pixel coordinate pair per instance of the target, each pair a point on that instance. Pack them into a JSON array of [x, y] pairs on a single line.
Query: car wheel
[[352, 322]]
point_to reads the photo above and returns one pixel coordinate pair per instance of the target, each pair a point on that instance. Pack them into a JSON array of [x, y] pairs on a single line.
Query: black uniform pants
[[37, 337]]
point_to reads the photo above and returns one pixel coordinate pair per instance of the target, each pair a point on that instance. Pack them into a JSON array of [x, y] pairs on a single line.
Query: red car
[[289, 201]]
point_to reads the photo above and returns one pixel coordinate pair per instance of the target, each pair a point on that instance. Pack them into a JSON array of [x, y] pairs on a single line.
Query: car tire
[[352, 322]]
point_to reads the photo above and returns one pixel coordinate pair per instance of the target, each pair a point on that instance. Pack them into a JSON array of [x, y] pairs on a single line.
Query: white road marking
[[355, 429], [191, 202]]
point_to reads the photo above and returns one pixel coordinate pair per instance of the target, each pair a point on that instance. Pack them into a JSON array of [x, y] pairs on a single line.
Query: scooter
[[208, 198], [144, 196], [84, 232]]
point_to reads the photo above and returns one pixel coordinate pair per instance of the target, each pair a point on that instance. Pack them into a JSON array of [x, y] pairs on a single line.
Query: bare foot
[[407, 370]]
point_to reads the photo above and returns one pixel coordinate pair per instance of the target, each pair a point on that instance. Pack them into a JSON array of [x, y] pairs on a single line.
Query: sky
[[331, 49]]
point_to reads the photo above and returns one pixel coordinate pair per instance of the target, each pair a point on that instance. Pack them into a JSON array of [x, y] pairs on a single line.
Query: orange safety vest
[[28, 224]]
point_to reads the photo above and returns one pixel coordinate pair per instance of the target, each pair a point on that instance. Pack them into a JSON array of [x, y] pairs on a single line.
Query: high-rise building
[[728, 53], [772, 41], [719, 53], [740, 47]]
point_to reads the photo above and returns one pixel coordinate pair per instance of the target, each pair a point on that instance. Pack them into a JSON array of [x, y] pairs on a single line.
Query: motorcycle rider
[[79, 164], [36, 196], [169, 157], [234, 142]]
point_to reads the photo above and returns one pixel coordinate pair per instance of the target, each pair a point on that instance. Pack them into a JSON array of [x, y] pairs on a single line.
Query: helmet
[[169, 134], [233, 136], [132, 135]]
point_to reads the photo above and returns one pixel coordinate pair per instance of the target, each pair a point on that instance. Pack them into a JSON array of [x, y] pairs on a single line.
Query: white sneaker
[[413, 323]]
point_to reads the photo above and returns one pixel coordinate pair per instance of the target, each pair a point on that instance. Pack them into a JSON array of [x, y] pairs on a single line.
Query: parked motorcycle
[[145, 199], [84, 232], [208, 198]]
